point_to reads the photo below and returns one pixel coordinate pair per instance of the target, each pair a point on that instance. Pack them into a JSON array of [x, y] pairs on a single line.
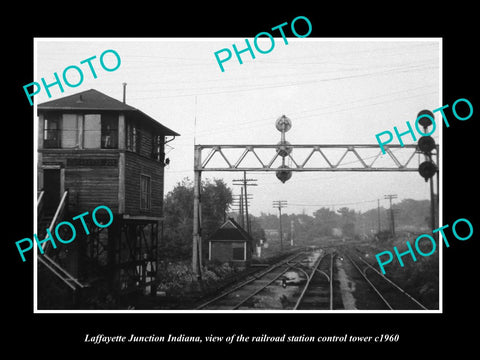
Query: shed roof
[[230, 231], [95, 100]]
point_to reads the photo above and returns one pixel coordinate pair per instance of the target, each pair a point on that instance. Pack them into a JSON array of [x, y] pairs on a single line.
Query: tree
[[216, 200], [325, 221], [348, 221], [178, 212], [178, 224], [257, 232]]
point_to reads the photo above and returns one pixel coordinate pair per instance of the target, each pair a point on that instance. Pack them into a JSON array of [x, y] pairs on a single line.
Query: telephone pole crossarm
[[245, 183]]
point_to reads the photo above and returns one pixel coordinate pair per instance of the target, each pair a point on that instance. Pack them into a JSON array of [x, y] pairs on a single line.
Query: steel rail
[[294, 266], [395, 285], [369, 282], [310, 277], [289, 266], [255, 277], [244, 300]]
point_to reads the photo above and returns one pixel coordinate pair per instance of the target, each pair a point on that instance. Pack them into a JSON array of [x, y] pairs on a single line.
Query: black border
[[423, 332]]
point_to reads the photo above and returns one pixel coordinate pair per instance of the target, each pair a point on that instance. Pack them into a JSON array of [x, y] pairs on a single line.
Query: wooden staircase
[[48, 220]]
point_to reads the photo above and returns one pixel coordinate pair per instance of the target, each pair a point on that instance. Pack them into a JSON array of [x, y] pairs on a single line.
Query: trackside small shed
[[231, 243]]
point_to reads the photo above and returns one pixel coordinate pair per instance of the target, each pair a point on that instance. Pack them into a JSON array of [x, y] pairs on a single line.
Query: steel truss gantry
[[265, 158], [298, 163]]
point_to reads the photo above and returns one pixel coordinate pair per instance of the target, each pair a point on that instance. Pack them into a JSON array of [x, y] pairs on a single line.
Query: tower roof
[[95, 100]]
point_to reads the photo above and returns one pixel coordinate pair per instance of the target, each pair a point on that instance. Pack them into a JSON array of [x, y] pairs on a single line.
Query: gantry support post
[[197, 218], [366, 163]]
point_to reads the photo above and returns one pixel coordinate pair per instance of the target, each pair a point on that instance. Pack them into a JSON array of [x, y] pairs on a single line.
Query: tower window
[[145, 192]]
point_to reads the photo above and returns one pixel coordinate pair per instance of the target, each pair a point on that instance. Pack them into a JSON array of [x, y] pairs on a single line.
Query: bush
[[419, 278], [177, 278]]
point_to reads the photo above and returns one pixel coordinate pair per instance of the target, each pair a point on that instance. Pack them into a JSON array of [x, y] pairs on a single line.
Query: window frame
[[105, 119], [55, 143], [238, 246], [145, 194], [158, 152], [89, 130], [69, 124], [132, 137]]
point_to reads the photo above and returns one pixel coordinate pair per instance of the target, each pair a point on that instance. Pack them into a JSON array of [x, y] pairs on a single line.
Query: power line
[[333, 108], [332, 205], [399, 67], [262, 87], [241, 202]]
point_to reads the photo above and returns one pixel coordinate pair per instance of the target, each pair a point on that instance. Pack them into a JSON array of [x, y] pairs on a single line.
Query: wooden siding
[[109, 177], [136, 165], [90, 176], [145, 140], [223, 250]]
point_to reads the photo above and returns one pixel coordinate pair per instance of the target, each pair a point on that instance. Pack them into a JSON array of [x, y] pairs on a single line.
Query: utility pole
[[239, 201], [292, 232], [280, 204], [245, 182], [378, 210], [390, 197], [267, 154]]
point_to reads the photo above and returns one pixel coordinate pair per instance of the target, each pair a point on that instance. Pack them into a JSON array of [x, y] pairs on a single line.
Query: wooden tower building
[[95, 150]]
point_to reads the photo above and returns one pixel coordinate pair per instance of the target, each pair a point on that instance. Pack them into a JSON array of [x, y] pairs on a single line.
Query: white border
[[291, 312]]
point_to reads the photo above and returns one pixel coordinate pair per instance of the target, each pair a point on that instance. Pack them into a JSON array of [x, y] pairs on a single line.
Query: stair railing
[[53, 266], [60, 272], [58, 216], [40, 198]]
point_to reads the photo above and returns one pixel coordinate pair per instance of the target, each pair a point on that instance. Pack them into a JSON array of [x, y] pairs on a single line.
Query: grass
[[419, 277]]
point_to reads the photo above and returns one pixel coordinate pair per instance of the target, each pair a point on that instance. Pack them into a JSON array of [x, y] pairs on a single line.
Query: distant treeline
[[409, 216]]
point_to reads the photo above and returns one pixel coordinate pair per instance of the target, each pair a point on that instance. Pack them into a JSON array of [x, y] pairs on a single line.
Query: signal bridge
[[235, 162], [284, 158]]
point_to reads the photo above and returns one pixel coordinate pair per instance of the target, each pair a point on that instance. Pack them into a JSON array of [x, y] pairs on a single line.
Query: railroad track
[[287, 284], [317, 293], [391, 295]]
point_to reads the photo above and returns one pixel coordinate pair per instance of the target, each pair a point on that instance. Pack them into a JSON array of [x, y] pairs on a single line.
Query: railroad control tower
[[95, 150]]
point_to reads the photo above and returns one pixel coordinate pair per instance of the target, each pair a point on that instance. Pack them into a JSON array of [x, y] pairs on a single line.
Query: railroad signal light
[[426, 144], [283, 175], [283, 124], [283, 148], [427, 169], [424, 118]]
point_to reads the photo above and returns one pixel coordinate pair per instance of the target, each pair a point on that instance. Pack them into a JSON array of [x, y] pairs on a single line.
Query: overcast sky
[[335, 91]]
